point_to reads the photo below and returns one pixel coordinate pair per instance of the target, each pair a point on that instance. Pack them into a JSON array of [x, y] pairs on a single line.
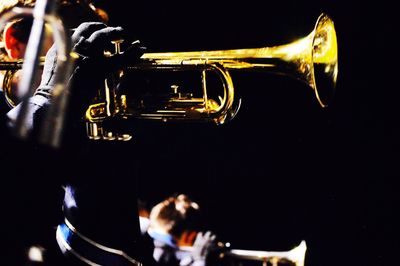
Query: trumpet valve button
[[174, 89], [117, 44]]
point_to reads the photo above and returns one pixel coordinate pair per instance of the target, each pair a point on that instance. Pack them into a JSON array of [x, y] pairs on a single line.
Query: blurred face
[[15, 39], [15, 48], [16, 35]]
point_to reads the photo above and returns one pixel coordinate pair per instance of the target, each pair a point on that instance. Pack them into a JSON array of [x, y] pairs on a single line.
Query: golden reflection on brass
[[296, 256], [312, 59]]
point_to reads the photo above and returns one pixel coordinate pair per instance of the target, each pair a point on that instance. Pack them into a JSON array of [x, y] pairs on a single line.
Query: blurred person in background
[[177, 229]]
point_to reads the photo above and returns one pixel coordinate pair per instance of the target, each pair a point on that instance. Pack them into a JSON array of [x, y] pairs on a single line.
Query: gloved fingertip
[[85, 29], [135, 46]]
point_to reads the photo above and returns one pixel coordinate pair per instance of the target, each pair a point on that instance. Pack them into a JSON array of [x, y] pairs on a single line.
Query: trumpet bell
[[324, 60], [295, 256], [312, 59]]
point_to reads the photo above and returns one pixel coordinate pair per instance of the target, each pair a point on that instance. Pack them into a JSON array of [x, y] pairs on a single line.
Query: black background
[[284, 169]]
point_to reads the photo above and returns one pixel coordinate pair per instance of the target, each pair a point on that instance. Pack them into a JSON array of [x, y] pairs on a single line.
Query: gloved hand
[[202, 246], [88, 41]]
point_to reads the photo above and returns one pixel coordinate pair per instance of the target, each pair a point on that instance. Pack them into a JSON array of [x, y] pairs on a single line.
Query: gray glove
[[202, 245], [88, 41]]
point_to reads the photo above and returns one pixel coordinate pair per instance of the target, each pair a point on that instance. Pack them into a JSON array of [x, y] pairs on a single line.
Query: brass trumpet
[[313, 60], [296, 256]]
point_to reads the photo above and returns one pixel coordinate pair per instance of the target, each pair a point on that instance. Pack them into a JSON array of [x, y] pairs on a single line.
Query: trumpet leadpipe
[[11, 65]]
